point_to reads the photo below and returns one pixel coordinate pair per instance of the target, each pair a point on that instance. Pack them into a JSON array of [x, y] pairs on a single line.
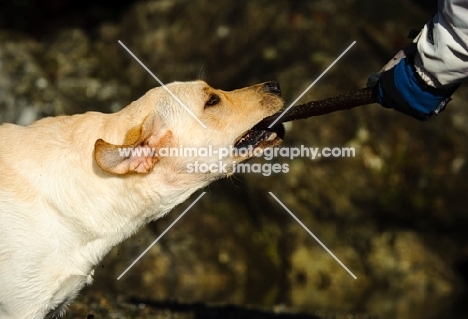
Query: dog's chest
[[67, 292]]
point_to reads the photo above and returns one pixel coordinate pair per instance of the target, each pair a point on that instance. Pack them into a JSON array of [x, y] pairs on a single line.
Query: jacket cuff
[[402, 89]]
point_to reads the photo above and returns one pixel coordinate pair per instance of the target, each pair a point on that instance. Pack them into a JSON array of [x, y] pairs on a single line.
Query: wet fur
[[67, 197]]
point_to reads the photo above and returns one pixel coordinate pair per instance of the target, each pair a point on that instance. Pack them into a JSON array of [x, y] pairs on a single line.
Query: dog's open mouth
[[261, 137]]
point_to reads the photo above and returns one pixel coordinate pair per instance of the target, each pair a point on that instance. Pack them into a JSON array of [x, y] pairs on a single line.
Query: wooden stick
[[340, 102]]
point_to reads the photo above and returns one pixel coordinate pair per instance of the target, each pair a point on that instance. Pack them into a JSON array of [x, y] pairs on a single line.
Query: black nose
[[272, 87]]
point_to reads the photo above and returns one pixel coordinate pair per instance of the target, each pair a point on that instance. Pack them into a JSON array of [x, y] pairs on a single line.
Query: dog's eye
[[213, 100]]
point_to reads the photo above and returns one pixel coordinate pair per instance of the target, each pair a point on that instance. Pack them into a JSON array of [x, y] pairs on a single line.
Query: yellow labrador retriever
[[70, 191]]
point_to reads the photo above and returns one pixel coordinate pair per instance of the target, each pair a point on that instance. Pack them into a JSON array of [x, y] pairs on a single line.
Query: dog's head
[[189, 122]]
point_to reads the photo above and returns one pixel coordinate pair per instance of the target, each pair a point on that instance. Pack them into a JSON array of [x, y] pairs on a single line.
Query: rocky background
[[396, 214]]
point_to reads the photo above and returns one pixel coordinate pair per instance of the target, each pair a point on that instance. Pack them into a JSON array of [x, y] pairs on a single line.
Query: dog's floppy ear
[[139, 152]]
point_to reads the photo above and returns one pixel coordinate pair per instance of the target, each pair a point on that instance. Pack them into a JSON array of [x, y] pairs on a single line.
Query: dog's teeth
[[271, 137]]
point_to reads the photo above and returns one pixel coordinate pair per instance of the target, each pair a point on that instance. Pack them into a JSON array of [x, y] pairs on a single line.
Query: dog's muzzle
[[263, 136]]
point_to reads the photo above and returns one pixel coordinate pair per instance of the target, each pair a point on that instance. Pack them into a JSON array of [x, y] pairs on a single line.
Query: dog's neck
[[116, 206]]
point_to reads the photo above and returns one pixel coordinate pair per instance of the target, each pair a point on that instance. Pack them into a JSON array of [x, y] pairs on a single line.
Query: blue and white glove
[[400, 87]]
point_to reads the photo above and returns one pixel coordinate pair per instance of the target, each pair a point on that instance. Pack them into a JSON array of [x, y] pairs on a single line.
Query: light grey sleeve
[[442, 57]]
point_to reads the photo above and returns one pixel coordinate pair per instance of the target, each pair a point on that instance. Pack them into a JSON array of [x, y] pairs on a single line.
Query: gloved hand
[[400, 87]]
